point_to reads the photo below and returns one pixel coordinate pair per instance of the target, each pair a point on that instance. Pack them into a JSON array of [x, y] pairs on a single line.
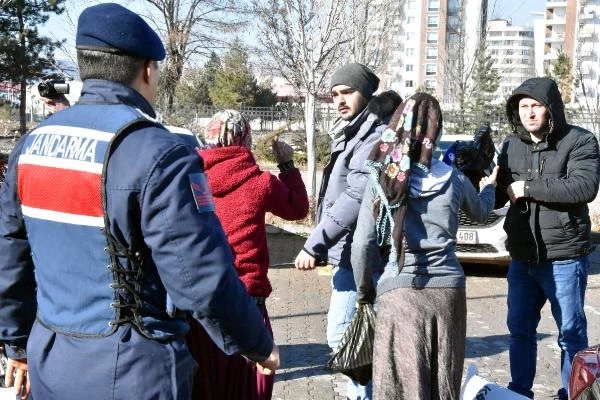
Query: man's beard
[[544, 128]]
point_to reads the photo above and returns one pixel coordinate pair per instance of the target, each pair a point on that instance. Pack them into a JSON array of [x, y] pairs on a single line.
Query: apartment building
[[573, 28], [512, 49], [430, 37], [586, 65], [560, 33]]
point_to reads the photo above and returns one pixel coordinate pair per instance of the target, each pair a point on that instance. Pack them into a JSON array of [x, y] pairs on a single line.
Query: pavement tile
[[298, 310]]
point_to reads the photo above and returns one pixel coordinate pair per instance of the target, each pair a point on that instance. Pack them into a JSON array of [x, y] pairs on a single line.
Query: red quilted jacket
[[243, 194]]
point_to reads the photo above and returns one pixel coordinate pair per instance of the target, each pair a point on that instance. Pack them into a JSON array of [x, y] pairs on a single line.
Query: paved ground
[[298, 309]]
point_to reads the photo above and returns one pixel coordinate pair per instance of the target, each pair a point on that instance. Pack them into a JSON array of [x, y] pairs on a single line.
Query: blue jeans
[[563, 284], [341, 310]]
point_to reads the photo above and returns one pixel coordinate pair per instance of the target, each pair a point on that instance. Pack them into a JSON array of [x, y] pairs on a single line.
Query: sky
[[516, 11], [63, 26]]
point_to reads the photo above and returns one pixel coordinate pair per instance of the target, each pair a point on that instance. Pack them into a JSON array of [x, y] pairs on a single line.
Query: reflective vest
[[87, 283]]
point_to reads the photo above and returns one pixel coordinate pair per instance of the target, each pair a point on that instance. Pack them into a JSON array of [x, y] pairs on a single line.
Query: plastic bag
[[585, 374], [478, 388], [354, 355]]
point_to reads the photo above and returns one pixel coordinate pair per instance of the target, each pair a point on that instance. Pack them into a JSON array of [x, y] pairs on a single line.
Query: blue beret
[[112, 28]]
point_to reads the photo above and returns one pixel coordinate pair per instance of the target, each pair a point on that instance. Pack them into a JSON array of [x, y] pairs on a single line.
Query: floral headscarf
[[228, 128], [408, 142]]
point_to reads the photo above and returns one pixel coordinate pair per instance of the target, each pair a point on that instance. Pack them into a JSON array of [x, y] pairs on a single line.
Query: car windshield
[[441, 149]]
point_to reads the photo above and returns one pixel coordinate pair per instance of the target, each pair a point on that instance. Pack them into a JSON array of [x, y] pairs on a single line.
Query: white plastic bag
[[478, 388]]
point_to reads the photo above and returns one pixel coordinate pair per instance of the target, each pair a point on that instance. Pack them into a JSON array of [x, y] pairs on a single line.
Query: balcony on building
[[555, 4], [587, 15], [588, 54], [555, 38], [551, 55], [587, 34], [555, 20]]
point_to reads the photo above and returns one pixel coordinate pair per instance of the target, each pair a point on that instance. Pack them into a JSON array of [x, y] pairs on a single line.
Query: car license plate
[[466, 237]]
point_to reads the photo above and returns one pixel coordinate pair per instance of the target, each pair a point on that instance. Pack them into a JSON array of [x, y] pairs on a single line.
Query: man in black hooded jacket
[[550, 171]]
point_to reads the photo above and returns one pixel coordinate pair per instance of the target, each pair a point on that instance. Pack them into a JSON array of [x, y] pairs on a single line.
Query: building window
[[429, 84], [410, 83], [412, 4], [433, 5], [410, 52], [430, 69], [431, 53], [432, 37], [409, 67], [453, 24], [410, 20], [433, 21], [410, 36]]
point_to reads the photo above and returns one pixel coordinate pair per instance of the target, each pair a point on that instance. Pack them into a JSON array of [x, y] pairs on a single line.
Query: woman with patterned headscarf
[[243, 194], [408, 221]]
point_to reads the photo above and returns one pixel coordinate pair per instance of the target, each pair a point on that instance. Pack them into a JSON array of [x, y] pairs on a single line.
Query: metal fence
[[291, 116], [266, 119], [263, 120]]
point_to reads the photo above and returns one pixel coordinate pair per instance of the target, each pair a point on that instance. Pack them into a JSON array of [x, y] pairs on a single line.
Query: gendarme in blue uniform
[[102, 329]]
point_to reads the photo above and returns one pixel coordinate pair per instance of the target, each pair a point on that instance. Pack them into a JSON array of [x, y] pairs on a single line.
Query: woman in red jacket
[[243, 194]]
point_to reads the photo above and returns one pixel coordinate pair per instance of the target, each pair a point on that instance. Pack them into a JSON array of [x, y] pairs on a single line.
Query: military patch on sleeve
[[201, 193]]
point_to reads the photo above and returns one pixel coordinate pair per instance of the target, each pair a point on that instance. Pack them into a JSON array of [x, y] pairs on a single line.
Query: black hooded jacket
[[561, 175]]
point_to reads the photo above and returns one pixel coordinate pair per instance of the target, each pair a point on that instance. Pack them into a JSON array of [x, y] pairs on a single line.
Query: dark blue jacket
[[152, 209]]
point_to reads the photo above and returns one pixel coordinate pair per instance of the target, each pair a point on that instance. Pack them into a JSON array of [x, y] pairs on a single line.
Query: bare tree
[[67, 33], [371, 27], [458, 64], [470, 77], [588, 103], [190, 28], [304, 40], [66, 49]]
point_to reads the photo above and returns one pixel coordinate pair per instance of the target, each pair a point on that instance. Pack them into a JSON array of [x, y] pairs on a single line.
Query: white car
[[476, 242]]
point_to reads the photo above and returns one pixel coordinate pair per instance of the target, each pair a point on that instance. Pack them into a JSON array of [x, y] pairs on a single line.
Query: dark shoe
[[522, 392], [562, 394]]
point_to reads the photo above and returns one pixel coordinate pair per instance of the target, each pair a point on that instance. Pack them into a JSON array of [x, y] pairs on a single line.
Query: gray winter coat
[[561, 175], [344, 181], [431, 224]]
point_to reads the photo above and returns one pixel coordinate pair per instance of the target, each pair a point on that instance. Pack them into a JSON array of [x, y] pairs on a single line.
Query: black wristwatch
[[286, 166]]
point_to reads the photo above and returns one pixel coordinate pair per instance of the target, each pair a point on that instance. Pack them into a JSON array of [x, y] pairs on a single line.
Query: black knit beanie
[[356, 76]]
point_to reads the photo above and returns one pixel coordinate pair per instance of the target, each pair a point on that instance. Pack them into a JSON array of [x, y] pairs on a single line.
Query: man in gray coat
[[363, 117]]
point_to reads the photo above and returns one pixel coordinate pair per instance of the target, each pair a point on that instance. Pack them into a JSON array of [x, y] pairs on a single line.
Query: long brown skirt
[[419, 345], [223, 377]]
